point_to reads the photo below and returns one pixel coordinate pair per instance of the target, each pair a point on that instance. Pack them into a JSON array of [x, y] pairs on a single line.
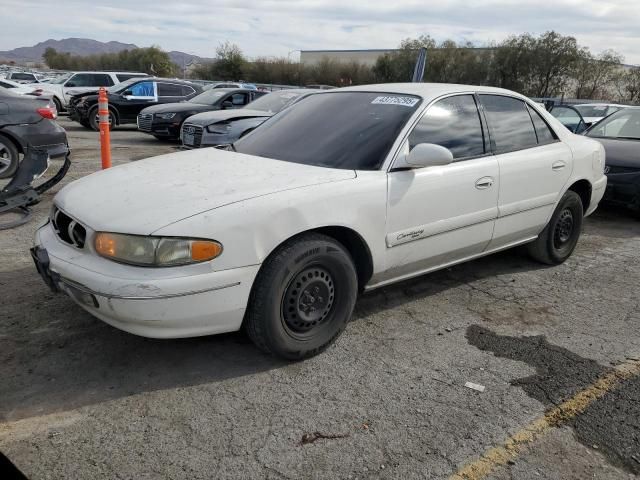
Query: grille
[[67, 229], [191, 135], [144, 122]]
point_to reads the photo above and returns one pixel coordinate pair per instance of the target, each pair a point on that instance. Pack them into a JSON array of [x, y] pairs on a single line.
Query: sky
[[283, 27]]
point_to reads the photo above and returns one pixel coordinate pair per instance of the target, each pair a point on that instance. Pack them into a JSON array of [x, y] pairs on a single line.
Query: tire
[[559, 238], [58, 104], [302, 297], [93, 120], [9, 157]]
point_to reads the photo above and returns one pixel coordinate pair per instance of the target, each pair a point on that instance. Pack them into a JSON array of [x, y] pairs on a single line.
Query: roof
[[424, 90]]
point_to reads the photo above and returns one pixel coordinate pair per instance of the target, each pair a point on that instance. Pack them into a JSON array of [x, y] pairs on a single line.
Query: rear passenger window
[[543, 132], [453, 123], [102, 80], [509, 122], [169, 90]]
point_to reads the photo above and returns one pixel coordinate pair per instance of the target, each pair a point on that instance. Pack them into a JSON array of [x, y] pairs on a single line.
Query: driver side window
[[239, 99], [453, 123]]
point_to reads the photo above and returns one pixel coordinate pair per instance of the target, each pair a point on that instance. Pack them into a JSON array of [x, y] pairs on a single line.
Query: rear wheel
[[302, 298], [9, 157], [58, 104], [559, 238]]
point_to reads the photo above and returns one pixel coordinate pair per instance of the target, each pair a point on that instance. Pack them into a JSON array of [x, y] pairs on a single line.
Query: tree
[[595, 73], [149, 60], [555, 58], [230, 62]]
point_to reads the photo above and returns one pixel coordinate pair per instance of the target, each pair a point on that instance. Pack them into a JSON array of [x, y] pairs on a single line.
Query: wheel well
[[357, 248], [583, 189], [12, 139]]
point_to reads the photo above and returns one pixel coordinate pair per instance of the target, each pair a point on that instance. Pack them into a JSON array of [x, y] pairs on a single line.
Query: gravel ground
[[79, 399]]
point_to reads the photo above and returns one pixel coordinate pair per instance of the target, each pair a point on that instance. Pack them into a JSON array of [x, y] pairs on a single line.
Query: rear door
[[170, 92], [534, 167], [443, 214]]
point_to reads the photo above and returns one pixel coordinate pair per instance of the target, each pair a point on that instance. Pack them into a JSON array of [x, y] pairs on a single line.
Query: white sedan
[[348, 190]]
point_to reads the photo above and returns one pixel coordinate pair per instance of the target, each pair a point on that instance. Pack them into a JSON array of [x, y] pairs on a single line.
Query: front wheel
[[94, 119], [302, 297], [559, 238]]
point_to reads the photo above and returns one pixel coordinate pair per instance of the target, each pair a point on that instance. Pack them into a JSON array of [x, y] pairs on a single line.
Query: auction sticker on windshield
[[395, 100]]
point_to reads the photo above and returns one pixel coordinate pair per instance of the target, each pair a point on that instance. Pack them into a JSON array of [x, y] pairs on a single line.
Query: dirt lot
[[79, 399]]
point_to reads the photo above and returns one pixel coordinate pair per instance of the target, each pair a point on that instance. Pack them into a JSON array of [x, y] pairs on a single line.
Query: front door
[[443, 214]]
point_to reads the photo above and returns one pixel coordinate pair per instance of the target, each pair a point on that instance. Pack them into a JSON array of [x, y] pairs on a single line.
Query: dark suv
[[27, 122], [128, 98]]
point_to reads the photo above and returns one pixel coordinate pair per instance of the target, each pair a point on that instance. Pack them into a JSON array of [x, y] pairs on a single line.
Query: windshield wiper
[[628, 138]]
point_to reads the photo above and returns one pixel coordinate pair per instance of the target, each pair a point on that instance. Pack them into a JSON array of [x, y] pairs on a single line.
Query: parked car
[[570, 117], [20, 88], [347, 190], [620, 135], [64, 87], [165, 120], [27, 122], [22, 77], [129, 98], [223, 127], [594, 112], [248, 86]]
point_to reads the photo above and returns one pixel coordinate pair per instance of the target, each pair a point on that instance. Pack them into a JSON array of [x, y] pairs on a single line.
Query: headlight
[[155, 251], [165, 116], [219, 128]]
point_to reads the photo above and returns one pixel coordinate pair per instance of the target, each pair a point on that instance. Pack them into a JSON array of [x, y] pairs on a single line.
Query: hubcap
[[564, 228], [5, 158], [308, 299]]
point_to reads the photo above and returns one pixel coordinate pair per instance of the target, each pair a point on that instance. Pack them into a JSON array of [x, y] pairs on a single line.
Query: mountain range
[[85, 46]]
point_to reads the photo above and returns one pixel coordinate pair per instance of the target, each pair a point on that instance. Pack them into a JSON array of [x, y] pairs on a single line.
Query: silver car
[[223, 127]]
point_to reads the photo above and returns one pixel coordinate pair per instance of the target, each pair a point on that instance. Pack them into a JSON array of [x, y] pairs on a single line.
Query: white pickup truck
[[63, 88]]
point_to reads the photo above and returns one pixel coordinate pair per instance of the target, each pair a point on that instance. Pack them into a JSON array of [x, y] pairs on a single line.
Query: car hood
[[620, 152], [208, 118], [144, 196], [179, 107]]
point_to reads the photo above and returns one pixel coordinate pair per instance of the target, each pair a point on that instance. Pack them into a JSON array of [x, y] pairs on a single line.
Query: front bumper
[[624, 189], [169, 302], [165, 129]]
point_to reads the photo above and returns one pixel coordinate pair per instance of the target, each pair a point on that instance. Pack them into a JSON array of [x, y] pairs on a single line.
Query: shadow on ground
[[611, 423]]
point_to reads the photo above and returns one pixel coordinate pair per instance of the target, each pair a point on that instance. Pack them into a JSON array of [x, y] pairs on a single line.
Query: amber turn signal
[[202, 250]]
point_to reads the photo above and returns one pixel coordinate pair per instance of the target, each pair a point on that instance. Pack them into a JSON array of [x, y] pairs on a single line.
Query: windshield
[[622, 124], [592, 110], [61, 79], [276, 101], [349, 130], [208, 97]]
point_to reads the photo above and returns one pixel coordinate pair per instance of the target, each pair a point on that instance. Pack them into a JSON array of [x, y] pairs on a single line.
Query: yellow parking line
[[557, 416]]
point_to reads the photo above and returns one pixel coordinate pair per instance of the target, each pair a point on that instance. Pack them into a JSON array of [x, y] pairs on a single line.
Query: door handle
[[484, 183], [557, 166]]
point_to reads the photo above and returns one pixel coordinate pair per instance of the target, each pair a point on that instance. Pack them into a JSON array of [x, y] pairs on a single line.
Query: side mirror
[[127, 93], [227, 104], [425, 155], [70, 84]]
